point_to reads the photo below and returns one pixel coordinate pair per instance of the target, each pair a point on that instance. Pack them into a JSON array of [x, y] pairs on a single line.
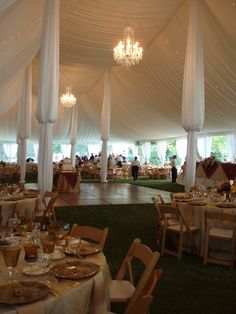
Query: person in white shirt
[[173, 168], [135, 165]]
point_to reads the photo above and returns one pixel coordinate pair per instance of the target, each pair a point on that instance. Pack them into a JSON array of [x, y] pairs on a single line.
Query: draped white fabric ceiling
[[146, 99]]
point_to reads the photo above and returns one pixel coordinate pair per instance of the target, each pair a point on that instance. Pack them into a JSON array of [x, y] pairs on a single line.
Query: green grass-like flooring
[[185, 287]]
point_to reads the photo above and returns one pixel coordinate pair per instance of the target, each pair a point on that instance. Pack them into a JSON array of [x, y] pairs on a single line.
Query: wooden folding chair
[[215, 229], [122, 290], [48, 212], [90, 233], [177, 226]]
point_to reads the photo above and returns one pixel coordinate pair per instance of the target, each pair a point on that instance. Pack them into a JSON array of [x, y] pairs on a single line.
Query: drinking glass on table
[[74, 245], [48, 244], [31, 250], [11, 255]]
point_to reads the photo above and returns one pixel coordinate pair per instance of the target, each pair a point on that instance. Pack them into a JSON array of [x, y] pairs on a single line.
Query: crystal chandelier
[[68, 100], [127, 52]]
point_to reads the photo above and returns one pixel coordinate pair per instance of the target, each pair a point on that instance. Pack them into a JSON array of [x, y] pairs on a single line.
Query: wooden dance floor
[[104, 193]]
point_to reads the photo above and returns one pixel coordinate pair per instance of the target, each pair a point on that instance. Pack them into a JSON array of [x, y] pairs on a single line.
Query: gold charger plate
[[226, 205], [22, 292], [84, 249], [75, 269]]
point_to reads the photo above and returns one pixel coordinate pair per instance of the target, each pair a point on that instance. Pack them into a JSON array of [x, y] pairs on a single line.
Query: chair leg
[[206, 243], [180, 247], [163, 240], [232, 254]]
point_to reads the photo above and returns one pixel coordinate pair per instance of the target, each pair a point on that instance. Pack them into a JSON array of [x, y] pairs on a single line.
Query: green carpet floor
[[185, 287]]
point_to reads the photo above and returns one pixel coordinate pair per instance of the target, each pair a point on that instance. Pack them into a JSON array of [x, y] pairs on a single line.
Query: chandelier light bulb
[[127, 52], [68, 100]]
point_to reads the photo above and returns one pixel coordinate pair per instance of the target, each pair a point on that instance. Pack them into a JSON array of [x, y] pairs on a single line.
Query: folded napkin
[[31, 308]]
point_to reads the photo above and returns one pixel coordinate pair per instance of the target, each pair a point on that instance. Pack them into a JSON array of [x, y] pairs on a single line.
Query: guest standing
[[135, 165], [173, 168]]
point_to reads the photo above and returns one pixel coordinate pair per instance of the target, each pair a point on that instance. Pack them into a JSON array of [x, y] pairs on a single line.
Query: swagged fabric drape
[[73, 133], [105, 123], [24, 120], [193, 90], [48, 92]]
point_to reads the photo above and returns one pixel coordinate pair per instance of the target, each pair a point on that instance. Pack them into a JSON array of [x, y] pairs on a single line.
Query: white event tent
[[146, 99]]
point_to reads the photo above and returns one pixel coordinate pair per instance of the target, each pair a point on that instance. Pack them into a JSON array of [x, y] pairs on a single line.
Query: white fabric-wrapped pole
[[105, 122], [193, 90], [190, 160], [48, 92], [24, 120], [73, 133]]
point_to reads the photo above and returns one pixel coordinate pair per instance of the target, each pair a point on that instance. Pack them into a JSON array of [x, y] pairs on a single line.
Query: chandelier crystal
[[68, 100], [127, 52]]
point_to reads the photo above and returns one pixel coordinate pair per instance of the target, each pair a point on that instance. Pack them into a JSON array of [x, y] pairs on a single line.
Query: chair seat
[[121, 290], [176, 228], [221, 233]]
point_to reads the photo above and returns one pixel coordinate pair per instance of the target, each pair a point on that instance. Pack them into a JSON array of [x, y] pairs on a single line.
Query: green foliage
[[82, 150], [171, 149], [130, 155], [140, 151], [56, 148], [218, 147], [154, 159]]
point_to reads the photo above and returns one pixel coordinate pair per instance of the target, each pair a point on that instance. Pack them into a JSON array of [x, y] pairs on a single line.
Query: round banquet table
[[87, 296], [195, 215]]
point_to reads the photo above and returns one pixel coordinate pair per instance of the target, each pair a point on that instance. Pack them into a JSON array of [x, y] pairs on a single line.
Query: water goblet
[[11, 255], [75, 246]]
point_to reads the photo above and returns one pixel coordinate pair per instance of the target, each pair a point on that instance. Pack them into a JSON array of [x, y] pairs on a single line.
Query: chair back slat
[[90, 233]]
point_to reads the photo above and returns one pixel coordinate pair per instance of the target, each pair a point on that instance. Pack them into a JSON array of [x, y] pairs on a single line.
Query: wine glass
[[11, 255]]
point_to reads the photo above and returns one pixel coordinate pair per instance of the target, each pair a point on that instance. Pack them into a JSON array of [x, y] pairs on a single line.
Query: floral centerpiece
[[208, 162], [224, 187]]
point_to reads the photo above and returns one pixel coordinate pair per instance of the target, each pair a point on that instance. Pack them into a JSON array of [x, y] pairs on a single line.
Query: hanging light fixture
[[127, 52], [68, 100]]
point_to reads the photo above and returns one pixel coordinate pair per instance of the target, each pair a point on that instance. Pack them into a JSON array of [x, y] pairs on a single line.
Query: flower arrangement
[[224, 187], [208, 162]]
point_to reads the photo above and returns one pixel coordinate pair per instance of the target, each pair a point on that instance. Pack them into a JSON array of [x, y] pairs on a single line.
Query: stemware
[[11, 255]]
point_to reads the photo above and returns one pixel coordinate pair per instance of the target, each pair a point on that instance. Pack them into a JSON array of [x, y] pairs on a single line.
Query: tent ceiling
[[146, 99]]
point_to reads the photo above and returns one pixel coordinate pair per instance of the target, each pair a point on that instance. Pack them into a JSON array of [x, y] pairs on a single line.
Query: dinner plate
[[226, 205], [75, 269], [22, 292], [35, 270], [84, 249]]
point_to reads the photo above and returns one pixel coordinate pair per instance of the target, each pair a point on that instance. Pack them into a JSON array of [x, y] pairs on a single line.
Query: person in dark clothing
[[135, 165], [173, 168]]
